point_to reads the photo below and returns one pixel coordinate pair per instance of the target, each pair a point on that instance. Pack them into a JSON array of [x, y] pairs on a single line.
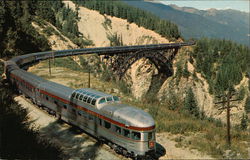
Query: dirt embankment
[[98, 27]]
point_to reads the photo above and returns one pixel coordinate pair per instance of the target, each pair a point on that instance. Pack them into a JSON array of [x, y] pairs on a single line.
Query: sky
[[242, 5]]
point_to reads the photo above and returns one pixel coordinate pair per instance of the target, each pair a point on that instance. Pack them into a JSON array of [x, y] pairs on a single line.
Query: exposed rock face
[[141, 73], [94, 26], [56, 42], [205, 101]]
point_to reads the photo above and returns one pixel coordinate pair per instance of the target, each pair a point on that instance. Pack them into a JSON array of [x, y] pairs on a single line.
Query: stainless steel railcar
[[128, 130]]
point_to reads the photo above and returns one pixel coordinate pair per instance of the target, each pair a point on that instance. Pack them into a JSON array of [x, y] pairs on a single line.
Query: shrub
[[123, 87], [247, 105], [243, 123]]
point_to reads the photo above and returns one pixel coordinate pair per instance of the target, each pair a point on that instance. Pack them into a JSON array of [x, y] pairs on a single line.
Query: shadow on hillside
[[74, 142]]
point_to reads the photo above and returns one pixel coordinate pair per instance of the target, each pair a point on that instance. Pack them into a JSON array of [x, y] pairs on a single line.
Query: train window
[[100, 121], [136, 135], [73, 95], [107, 124], [93, 101], [85, 98], [115, 98], [126, 133], [103, 100], [118, 129], [55, 102], [77, 95], [73, 110], [47, 98], [150, 136], [89, 100], [81, 97], [109, 99]]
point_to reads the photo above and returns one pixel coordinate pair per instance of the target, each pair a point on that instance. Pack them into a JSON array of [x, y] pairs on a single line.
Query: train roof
[[131, 116], [92, 92], [93, 97]]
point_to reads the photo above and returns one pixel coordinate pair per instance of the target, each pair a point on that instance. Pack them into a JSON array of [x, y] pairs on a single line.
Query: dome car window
[[89, 100], [85, 98], [115, 98], [93, 101], [80, 98], [109, 99], [77, 95], [73, 95], [102, 101]]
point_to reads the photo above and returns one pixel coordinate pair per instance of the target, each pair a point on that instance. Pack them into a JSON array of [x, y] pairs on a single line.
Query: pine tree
[[186, 73], [243, 124], [190, 104], [247, 105]]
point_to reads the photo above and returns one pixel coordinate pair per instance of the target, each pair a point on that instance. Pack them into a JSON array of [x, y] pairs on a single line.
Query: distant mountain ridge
[[193, 23]]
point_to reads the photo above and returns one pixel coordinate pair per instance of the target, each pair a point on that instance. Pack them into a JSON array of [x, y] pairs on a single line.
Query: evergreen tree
[[243, 123], [132, 14], [185, 73], [247, 105], [190, 105]]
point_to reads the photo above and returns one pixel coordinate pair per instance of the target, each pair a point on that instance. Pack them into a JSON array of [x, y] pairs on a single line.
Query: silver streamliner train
[[128, 130]]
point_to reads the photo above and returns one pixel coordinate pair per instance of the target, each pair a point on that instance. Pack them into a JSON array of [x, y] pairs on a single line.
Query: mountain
[[193, 23]]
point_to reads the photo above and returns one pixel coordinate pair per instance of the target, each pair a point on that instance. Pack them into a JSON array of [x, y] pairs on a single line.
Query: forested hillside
[[142, 18], [223, 63], [194, 23], [17, 34]]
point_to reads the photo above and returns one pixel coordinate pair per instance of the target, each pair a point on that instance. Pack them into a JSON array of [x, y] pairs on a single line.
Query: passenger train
[[128, 130]]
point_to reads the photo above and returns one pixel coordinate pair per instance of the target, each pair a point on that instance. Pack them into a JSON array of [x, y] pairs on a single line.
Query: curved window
[[109, 99], [116, 98], [81, 97], [93, 101], [77, 95], [85, 98], [103, 100], [89, 100], [73, 95]]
